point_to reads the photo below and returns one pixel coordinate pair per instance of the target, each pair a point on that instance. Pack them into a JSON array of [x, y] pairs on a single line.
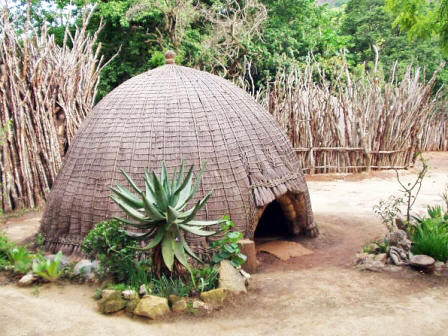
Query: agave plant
[[159, 213]]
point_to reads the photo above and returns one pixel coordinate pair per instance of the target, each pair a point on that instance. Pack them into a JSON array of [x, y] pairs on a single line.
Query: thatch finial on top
[[169, 57]]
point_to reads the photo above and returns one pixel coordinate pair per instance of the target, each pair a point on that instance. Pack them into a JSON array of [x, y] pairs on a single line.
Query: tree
[[422, 19]]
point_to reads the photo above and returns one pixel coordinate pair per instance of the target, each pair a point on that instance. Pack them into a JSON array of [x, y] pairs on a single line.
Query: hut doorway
[[282, 218], [272, 223]]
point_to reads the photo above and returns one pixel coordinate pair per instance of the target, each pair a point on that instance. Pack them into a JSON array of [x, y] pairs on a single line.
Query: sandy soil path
[[319, 294]]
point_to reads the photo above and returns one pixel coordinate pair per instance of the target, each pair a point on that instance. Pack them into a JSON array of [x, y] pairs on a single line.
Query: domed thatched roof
[[174, 113]]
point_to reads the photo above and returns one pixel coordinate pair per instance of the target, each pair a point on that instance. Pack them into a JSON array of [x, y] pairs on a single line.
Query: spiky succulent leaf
[[132, 212], [151, 210], [160, 193], [180, 254], [196, 230], [155, 240], [168, 251], [145, 225], [128, 196], [189, 250], [131, 181], [205, 223], [196, 208], [183, 190]]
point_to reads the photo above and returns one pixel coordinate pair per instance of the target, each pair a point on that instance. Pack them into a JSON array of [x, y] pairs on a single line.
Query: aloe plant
[[49, 269], [159, 213]]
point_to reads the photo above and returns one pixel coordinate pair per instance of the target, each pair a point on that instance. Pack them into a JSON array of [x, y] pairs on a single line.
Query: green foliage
[[159, 212], [227, 247], [47, 269], [21, 259], [116, 251], [165, 286], [5, 247], [206, 278], [430, 237]]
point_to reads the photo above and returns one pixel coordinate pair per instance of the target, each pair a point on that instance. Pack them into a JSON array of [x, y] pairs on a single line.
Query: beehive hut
[[170, 114]]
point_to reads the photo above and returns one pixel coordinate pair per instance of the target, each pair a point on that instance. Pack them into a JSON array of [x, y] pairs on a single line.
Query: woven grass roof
[[174, 113]]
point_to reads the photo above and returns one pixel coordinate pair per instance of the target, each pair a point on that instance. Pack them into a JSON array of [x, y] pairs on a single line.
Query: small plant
[[115, 250], [165, 286], [5, 247], [20, 259], [48, 269], [227, 247], [98, 294], [206, 278], [430, 234], [39, 241], [389, 210], [160, 212]]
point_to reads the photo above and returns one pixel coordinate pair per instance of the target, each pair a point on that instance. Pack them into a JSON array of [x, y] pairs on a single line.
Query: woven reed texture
[[174, 113]]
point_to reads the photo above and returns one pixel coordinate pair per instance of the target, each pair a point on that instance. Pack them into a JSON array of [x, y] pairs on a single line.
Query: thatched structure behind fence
[[46, 90], [351, 125]]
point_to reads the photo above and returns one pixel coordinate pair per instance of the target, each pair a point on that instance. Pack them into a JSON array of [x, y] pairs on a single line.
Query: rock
[[172, 299], [65, 261], [231, 279], [214, 297], [382, 257], [399, 238], [373, 266], [422, 262], [132, 304], [111, 301], [142, 290], [199, 307], [438, 265], [153, 307], [111, 306], [362, 257], [398, 255], [110, 294], [247, 247], [392, 268], [180, 306], [27, 280], [129, 294], [86, 268]]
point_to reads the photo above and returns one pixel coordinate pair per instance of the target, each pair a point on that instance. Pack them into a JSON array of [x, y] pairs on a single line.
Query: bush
[[21, 259], [430, 235], [5, 247], [227, 247], [116, 251], [47, 269]]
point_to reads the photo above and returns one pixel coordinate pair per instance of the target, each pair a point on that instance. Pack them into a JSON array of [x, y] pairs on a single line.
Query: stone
[[199, 307], [373, 266], [111, 301], [398, 256], [399, 238], [362, 257], [180, 306], [382, 257], [110, 294], [153, 307], [172, 299], [131, 305], [111, 306], [129, 294], [142, 290], [438, 265], [214, 297], [27, 280], [247, 247], [422, 262], [231, 279], [86, 268]]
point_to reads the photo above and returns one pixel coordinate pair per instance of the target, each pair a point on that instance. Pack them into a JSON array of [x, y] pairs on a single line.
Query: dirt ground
[[318, 294]]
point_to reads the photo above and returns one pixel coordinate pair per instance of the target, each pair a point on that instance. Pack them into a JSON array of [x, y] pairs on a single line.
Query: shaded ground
[[318, 294]]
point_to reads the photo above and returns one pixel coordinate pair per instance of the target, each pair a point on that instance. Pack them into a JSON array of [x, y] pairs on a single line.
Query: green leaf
[[165, 180], [146, 225], [183, 190], [128, 196], [197, 207], [179, 252], [155, 241], [204, 223], [160, 193], [151, 209], [132, 212], [168, 251], [172, 215], [131, 181], [189, 250], [197, 231]]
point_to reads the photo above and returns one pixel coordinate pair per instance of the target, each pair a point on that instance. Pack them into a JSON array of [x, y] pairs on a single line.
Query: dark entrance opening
[[273, 222]]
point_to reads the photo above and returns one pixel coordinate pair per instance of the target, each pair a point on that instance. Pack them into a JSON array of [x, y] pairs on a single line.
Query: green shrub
[[227, 247], [165, 286], [115, 250], [430, 235], [5, 247], [206, 278], [47, 269], [21, 259]]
